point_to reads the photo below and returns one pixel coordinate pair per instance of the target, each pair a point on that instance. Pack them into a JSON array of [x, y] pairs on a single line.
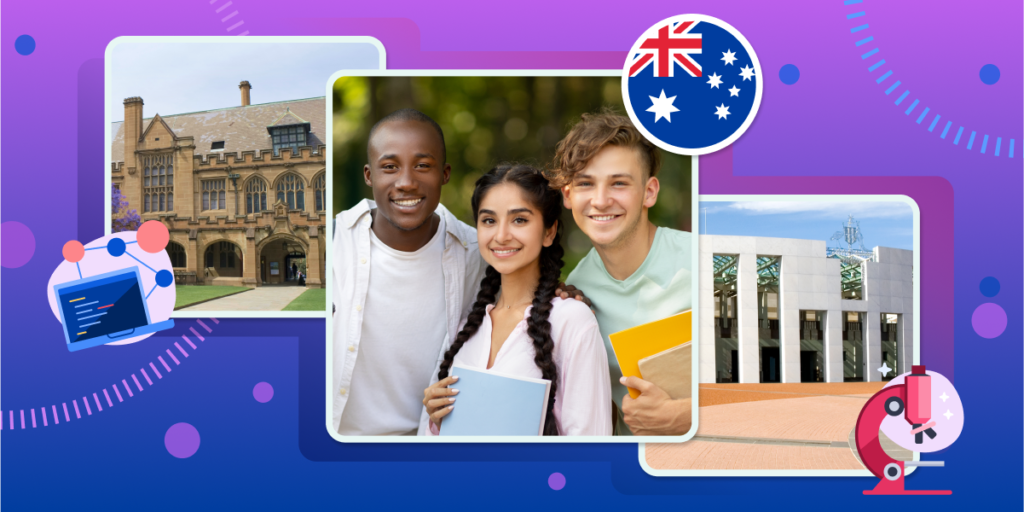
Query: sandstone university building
[[241, 189], [782, 310]]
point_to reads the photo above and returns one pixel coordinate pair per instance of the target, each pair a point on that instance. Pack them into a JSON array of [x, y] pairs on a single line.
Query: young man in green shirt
[[637, 272]]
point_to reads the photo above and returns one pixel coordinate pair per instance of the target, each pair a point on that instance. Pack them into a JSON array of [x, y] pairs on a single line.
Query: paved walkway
[[262, 298], [784, 427]]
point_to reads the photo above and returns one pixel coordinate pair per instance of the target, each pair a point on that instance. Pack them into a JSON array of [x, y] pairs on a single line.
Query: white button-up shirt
[[461, 266]]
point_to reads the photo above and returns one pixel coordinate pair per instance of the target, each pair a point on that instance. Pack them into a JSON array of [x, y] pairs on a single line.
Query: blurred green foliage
[[488, 120]]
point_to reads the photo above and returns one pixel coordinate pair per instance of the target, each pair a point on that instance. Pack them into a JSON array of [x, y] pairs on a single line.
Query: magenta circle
[[263, 392], [556, 481], [19, 244], [989, 320], [182, 440]]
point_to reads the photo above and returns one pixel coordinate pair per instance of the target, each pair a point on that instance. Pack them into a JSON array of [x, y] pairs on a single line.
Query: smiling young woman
[[518, 325]]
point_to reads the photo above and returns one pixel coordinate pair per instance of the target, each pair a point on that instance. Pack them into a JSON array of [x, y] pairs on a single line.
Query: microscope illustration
[[913, 400]]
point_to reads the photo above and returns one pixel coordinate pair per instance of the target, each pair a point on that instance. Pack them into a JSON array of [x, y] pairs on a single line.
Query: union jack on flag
[[676, 45]]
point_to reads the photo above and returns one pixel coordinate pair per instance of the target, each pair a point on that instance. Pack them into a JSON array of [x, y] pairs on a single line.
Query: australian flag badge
[[692, 84]]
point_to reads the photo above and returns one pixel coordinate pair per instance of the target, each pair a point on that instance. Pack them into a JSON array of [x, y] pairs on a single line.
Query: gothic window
[[213, 195], [320, 187], [255, 195], [288, 137], [177, 255], [227, 254], [223, 255], [290, 190], [158, 183]]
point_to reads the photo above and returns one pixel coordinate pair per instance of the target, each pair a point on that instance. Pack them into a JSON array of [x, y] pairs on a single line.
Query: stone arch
[[277, 253], [222, 261], [178, 255]]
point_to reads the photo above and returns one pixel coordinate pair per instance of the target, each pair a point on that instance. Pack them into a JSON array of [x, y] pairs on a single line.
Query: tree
[[123, 218]]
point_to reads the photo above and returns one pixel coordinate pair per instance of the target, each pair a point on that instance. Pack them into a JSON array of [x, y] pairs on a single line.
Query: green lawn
[[188, 295], [313, 299]]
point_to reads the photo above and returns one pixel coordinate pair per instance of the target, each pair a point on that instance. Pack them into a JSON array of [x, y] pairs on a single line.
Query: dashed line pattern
[[229, 17], [884, 76], [106, 394]]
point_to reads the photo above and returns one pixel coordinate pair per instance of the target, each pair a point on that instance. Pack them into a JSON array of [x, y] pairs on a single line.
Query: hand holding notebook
[[495, 404]]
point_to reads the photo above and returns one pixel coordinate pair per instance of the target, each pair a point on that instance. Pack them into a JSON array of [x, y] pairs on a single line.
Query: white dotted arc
[[124, 384]]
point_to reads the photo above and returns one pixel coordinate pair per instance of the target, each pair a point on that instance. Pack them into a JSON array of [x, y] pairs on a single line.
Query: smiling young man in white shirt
[[405, 271]]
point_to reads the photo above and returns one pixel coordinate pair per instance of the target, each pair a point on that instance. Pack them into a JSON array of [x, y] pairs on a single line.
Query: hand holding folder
[[657, 339]]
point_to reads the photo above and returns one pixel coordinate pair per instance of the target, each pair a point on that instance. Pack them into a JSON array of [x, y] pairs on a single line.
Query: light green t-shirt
[[658, 289]]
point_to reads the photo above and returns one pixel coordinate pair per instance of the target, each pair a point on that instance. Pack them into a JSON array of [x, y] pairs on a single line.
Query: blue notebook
[[494, 404]]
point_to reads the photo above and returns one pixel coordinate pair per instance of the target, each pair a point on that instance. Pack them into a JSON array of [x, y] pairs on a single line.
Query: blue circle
[[25, 44], [989, 286], [789, 74], [164, 278], [989, 74], [115, 247]]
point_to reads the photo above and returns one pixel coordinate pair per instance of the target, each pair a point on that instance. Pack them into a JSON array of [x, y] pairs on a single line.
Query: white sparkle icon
[[662, 107], [729, 57], [947, 414], [885, 369], [734, 91], [722, 111], [747, 72], [715, 80], [944, 397]]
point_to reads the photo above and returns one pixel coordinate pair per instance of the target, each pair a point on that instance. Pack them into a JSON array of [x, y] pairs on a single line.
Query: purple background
[[834, 131]]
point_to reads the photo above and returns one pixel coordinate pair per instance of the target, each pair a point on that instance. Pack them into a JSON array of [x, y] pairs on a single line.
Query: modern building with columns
[[782, 310], [241, 189]]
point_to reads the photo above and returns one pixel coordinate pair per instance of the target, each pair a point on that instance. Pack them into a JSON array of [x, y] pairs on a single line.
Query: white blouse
[[583, 398]]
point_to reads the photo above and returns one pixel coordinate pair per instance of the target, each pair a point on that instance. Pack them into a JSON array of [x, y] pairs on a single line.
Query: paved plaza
[[774, 426], [263, 298]]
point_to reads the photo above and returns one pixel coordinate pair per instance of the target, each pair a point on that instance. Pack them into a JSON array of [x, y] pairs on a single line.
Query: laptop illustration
[[104, 308]]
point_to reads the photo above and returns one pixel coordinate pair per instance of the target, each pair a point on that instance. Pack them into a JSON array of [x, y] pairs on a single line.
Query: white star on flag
[[944, 397], [722, 111], [747, 72], [947, 414], [734, 91], [715, 80], [729, 57], [884, 369], [662, 107]]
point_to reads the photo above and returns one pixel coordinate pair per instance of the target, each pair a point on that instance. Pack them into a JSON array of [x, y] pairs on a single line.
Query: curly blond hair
[[589, 136]]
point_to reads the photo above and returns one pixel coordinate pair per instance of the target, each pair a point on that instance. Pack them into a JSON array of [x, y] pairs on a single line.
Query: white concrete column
[[707, 316], [833, 346], [746, 288], [905, 331], [789, 340], [790, 289], [873, 346]]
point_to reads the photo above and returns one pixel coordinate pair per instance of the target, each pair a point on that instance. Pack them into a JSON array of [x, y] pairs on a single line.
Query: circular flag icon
[[692, 84]]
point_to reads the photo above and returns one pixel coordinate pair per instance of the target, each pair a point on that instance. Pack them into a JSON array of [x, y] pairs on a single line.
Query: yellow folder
[[634, 344]]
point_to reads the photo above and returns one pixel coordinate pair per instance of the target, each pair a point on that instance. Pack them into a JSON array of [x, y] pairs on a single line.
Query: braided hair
[[549, 201]]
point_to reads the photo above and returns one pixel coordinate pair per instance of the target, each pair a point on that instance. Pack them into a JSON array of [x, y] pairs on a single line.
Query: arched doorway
[[223, 259], [282, 259]]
